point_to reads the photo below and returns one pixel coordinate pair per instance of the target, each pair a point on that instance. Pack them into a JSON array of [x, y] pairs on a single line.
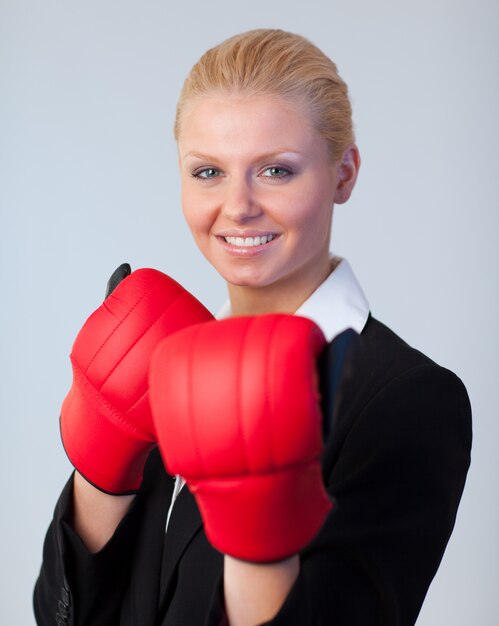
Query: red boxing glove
[[237, 414], [106, 422]]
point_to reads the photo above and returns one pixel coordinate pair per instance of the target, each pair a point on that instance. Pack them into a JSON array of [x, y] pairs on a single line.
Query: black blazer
[[395, 465]]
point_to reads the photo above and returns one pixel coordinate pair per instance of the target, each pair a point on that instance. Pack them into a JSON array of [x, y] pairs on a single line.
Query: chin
[[241, 279], [245, 283]]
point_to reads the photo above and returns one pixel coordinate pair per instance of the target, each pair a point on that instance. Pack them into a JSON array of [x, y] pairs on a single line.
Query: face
[[258, 187]]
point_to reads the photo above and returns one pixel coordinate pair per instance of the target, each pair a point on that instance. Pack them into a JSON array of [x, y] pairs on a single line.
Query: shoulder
[[397, 397], [386, 364]]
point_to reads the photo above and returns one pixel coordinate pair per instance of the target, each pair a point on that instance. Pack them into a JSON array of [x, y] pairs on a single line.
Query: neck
[[286, 296]]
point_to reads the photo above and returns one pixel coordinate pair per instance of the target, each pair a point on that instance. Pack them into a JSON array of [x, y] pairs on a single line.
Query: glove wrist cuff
[[263, 517]]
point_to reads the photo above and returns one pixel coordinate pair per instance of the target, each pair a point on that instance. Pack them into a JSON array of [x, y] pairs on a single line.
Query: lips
[[240, 244], [249, 242]]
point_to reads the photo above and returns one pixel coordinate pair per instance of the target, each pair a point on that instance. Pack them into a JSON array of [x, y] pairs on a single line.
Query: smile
[[249, 242]]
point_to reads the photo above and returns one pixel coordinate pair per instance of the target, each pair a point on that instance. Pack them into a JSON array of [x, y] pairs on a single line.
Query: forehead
[[244, 124]]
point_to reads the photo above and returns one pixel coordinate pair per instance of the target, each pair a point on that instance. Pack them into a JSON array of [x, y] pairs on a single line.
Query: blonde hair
[[276, 63]]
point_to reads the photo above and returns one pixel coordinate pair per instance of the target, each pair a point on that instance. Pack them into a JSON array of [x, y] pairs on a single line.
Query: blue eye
[[276, 172], [206, 173]]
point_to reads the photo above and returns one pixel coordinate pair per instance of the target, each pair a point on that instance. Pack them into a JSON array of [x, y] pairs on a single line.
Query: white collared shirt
[[337, 304]]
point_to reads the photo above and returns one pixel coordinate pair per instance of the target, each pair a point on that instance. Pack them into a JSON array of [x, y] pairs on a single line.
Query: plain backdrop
[[89, 179]]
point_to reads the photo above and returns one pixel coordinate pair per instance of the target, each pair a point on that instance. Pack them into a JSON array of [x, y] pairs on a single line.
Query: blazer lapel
[[140, 605], [336, 365], [184, 523]]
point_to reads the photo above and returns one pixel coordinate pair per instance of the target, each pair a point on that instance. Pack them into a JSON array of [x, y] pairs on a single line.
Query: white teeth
[[248, 242]]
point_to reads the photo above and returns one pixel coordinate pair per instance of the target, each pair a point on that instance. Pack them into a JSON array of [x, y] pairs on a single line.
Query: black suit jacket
[[395, 465]]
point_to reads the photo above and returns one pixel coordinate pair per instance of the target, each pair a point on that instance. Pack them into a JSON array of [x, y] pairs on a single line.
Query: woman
[[266, 149]]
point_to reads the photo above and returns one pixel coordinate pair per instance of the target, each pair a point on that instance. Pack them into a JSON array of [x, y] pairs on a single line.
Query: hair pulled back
[[272, 62]]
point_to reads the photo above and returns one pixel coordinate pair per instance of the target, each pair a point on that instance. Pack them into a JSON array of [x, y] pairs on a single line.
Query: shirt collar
[[337, 304]]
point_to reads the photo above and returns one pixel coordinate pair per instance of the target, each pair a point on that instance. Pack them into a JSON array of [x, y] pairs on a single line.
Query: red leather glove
[[106, 422], [236, 409]]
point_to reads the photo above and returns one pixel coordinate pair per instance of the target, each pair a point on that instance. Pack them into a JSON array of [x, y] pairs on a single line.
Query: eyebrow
[[261, 157]]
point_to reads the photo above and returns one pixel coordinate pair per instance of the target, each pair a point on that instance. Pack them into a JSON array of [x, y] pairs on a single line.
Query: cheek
[[309, 214], [196, 213], [191, 208], [189, 216]]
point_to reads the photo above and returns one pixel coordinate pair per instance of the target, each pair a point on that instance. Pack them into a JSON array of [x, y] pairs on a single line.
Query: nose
[[240, 203]]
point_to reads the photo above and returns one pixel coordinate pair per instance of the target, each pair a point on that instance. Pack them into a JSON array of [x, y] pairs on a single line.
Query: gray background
[[89, 179]]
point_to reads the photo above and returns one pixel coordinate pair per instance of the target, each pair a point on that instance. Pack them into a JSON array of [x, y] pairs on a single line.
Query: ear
[[347, 170]]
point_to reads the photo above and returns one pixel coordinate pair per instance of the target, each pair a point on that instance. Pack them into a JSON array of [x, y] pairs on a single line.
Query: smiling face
[[258, 187]]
